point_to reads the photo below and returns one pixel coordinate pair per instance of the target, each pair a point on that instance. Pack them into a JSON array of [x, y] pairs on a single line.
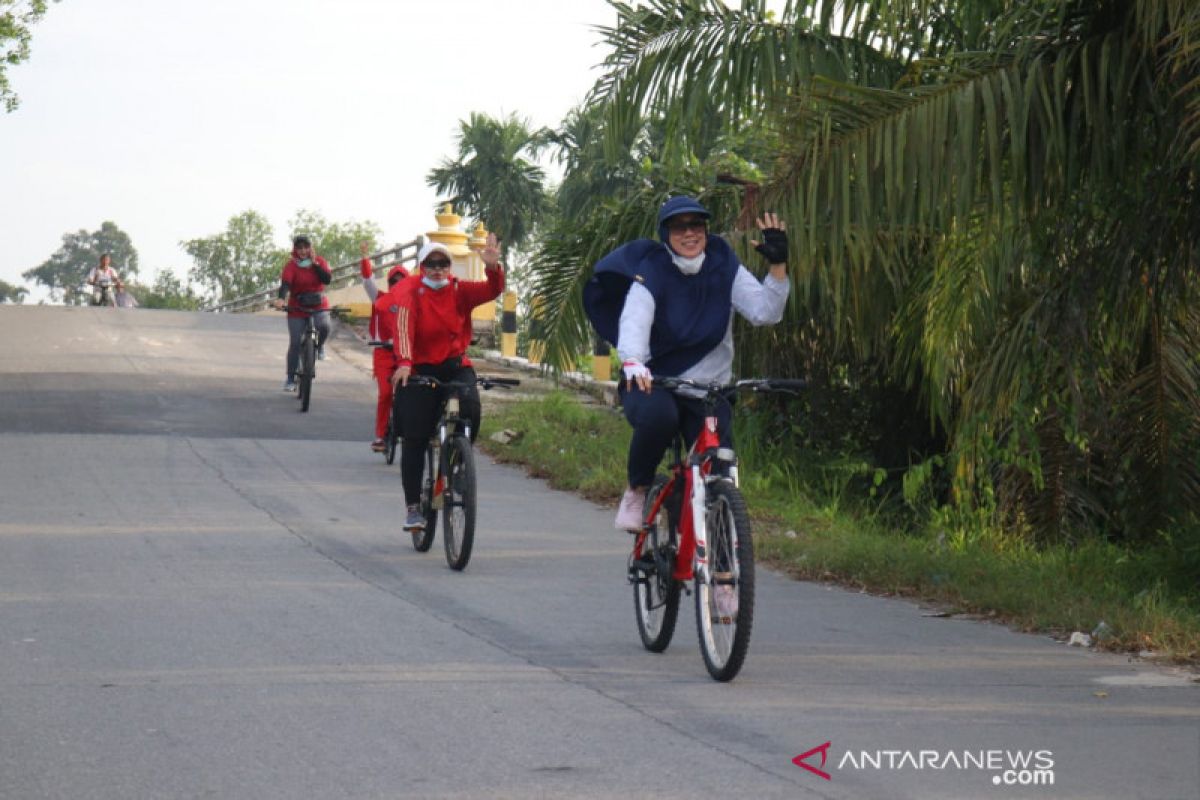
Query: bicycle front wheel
[[423, 537], [389, 447], [458, 506], [655, 590], [308, 360], [725, 600]]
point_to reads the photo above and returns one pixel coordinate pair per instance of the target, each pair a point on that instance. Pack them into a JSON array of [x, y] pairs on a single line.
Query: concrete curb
[[604, 391]]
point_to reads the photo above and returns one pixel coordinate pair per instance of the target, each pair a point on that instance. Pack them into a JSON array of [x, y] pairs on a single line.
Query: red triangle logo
[[823, 750]]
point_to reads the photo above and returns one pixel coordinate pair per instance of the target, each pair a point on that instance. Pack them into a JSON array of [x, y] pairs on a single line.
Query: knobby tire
[[655, 593], [725, 636], [308, 361], [458, 507], [423, 538], [389, 449]]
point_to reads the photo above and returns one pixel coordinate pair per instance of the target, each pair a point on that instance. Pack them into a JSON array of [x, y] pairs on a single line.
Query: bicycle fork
[[698, 562]]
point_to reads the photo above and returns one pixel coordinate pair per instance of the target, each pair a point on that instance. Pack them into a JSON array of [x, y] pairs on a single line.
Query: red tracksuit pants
[[385, 367]]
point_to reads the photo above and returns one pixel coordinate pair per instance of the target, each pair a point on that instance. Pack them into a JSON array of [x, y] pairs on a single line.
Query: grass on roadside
[[1139, 595]]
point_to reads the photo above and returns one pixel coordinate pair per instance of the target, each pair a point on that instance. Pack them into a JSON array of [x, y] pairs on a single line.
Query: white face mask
[[432, 284], [688, 266]]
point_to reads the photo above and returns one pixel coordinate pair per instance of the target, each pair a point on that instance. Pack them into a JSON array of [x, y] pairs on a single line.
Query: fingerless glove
[[774, 246]]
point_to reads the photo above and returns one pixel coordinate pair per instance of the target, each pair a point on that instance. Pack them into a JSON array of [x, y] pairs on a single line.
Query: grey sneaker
[[320, 354], [415, 520], [289, 386]]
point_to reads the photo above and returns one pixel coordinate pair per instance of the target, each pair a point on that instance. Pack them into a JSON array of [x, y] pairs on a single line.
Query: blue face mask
[[434, 284], [307, 262]]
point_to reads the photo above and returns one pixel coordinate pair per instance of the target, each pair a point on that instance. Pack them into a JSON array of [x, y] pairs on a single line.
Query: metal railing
[[342, 275]]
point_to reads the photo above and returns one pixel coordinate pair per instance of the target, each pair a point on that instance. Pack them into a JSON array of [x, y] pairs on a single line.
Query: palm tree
[[494, 178], [995, 202]]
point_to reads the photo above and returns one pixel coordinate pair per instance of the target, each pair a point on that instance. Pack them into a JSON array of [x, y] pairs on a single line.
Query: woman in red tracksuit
[[302, 286], [382, 327], [433, 329], [383, 312]]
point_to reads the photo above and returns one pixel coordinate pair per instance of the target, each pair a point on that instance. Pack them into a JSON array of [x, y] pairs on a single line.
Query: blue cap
[[681, 204]]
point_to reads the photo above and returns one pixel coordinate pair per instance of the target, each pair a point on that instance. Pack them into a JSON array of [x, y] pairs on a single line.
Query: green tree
[[494, 178], [11, 294], [242, 260], [65, 271], [168, 291], [17, 17], [995, 211], [337, 242]]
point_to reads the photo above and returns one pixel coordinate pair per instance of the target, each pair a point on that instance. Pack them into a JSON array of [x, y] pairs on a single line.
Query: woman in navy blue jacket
[[668, 307]]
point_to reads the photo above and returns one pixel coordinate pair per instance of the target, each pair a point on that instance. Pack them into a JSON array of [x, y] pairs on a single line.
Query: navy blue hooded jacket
[[691, 312]]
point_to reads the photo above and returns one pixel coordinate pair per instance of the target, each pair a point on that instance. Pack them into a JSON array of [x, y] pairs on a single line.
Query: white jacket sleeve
[[760, 303], [633, 332]]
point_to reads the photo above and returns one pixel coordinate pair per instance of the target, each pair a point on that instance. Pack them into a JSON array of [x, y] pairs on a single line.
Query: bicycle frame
[[449, 424], [692, 556]]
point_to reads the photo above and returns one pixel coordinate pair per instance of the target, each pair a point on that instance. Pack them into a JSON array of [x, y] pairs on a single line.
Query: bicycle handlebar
[[310, 311], [753, 384], [377, 343], [484, 381]]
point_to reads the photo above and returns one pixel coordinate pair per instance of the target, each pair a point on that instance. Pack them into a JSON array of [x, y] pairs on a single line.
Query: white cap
[[429, 248]]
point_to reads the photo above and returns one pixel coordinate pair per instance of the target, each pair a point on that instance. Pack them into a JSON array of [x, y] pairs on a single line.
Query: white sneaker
[[629, 515]]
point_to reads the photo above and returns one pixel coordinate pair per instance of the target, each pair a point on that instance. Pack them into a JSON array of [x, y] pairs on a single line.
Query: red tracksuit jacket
[[301, 280], [435, 325]]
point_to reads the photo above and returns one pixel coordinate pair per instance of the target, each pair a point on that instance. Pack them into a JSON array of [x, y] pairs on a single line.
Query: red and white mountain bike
[[697, 530]]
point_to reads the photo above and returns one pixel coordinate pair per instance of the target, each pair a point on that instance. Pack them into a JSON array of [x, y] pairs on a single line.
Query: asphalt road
[[204, 593]]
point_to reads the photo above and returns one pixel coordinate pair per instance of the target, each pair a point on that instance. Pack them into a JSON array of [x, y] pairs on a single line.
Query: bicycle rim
[[458, 510], [423, 538], [725, 601], [655, 590]]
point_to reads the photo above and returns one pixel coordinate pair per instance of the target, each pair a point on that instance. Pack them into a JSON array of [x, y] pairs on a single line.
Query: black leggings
[[657, 417], [420, 407]]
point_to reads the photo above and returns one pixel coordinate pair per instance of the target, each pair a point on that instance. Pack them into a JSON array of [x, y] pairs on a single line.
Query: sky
[[169, 117]]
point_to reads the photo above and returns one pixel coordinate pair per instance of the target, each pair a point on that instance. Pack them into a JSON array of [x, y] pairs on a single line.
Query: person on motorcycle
[[433, 329], [302, 286], [104, 282]]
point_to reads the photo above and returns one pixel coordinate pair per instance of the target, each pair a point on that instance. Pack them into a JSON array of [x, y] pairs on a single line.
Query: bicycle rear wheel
[[655, 590], [725, 601], [423, 538], [308, 360], [458, 506]]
